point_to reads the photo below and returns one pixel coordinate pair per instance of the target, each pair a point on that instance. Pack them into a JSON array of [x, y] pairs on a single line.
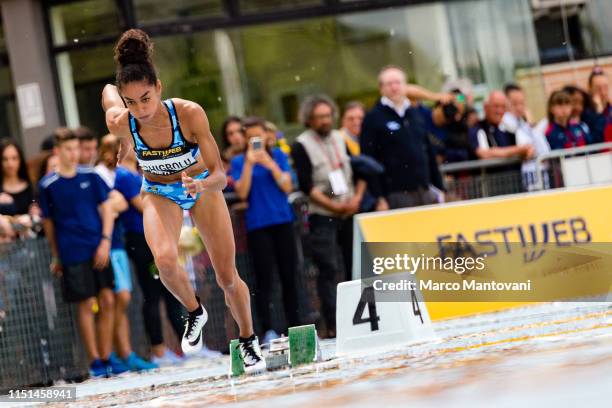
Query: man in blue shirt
[[78, 222]]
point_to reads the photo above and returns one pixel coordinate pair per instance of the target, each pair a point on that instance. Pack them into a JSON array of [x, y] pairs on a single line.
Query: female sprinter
[[182, 171]]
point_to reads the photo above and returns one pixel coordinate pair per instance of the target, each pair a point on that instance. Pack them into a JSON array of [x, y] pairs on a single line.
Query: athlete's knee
[[167, 262], [228, 280]]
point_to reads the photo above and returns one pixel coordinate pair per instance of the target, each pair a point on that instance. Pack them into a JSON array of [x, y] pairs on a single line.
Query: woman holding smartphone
[[263, 179]]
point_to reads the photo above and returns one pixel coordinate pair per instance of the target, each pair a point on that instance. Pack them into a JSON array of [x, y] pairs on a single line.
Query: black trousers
[[331, 242], [274, 253], [152, 291]]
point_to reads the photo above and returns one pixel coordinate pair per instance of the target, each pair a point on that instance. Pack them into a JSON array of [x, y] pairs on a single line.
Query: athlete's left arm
[[200, 130]]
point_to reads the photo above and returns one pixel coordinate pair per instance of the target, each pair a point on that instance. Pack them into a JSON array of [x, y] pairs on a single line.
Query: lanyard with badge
[[336, 176]]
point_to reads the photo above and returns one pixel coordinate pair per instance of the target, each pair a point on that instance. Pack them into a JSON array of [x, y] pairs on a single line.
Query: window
[[149, 11], [254, 6], [74, 22]]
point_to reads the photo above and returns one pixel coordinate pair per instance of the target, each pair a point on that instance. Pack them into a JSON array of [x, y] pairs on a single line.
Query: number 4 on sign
[[391, 324], [367, 297]]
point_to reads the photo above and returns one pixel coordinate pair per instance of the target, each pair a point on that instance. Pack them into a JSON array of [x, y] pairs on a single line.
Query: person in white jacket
[[517, 120]]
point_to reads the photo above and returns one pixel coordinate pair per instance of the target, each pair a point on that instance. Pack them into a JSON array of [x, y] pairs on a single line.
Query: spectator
[[517, 121], [352, 119], [581, 103], [277, 138], [46, 146], [463, 85], [35, 163], [124, 358], [365, 169], [128, 182], [490, 140], [48, 165], [233, 138], [599, 88], [271, 134], [395, 134], [78, 222], [263, 179], [561, 133], [448, 124], [16, 192], [88, 146], [325, 176]]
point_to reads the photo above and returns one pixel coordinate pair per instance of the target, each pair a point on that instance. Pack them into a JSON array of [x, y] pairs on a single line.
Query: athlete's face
[[142, 99]]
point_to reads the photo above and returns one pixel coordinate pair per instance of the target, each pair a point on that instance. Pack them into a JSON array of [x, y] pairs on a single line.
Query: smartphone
[[256, 142]]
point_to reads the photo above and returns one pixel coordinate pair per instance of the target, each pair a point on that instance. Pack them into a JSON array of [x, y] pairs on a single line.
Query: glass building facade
[[264, 56]]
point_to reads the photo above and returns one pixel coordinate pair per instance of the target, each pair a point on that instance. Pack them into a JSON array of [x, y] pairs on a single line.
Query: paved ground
[[547, 355]]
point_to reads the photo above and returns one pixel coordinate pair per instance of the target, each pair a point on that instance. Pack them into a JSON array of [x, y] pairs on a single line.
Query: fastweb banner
[[490, 254]]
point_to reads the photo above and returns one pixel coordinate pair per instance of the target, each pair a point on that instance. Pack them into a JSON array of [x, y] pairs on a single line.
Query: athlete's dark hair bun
[[134, 47], [133, 55]]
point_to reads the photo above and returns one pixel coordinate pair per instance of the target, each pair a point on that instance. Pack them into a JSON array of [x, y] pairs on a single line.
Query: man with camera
[[450, 130]]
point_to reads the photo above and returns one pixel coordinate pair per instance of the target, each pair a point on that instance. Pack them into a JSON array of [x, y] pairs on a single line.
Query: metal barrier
[[577, 166], [39, 338], [482, 178]]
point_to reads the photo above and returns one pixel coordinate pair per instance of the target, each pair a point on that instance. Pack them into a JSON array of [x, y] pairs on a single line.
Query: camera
[[450, 111], [256, 142]]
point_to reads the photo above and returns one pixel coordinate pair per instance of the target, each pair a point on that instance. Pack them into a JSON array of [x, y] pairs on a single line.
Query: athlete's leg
[[162, 223], [212, 219]]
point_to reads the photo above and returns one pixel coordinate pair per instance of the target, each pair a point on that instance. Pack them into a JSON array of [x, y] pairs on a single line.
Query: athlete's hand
[[192, 187]]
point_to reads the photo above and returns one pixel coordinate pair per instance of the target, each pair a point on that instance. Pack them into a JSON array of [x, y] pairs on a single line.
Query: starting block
[[363, 324], [300, 347]]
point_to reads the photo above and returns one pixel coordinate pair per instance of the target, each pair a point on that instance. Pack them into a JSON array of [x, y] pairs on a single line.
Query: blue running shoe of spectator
[[99, 368], [136, 363], [117, 365]]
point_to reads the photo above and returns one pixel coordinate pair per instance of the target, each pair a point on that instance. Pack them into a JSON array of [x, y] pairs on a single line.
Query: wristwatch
[[106, 237]]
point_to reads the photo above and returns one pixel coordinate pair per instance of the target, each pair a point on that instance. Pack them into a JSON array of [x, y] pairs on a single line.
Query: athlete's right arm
[[117, 118]]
